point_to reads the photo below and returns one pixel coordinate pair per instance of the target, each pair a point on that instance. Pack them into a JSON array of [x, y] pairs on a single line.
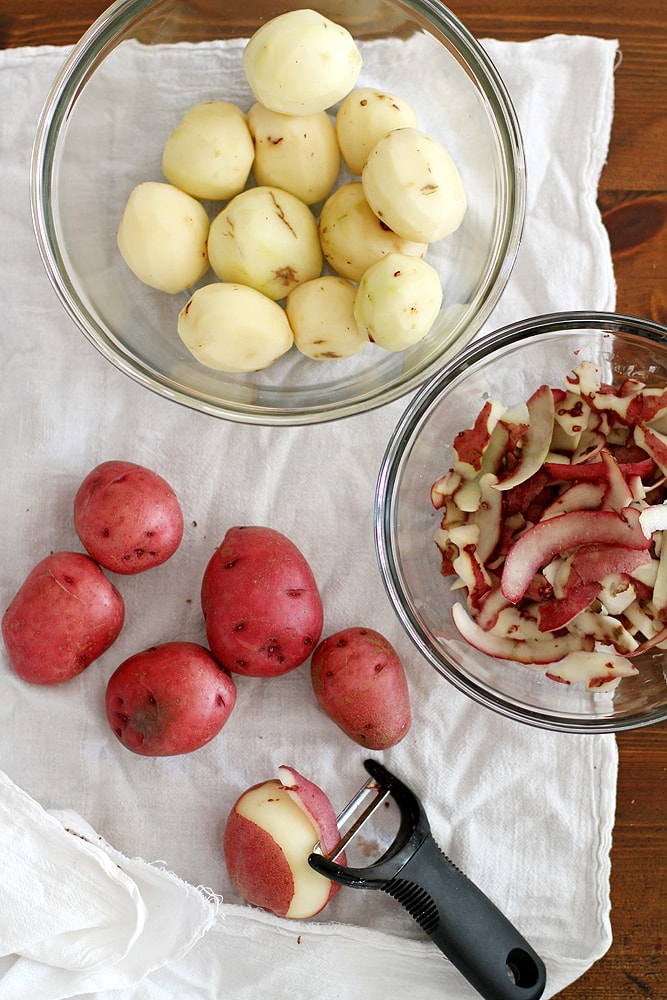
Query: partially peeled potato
[[269, 835]]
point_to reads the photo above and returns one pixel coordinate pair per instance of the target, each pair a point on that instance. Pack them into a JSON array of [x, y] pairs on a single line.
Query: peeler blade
[[355, 815]]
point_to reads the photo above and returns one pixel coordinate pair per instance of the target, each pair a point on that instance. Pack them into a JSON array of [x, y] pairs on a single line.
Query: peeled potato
[[298, 153], [413, 185], [233, 328], [300, 63], [364, 117], [210, 152], [352, 237], [266, 238], [397, 301], [162, 236], [321, 314]]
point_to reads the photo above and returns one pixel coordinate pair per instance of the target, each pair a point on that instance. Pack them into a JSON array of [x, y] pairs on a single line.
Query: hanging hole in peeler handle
[[522, 969]]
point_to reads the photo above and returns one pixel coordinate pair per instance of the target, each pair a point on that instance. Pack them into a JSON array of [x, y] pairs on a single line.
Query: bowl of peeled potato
[[257, 210]]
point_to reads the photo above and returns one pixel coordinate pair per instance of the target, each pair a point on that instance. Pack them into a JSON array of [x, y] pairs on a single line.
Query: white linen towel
[[528, 814], [78, 912]]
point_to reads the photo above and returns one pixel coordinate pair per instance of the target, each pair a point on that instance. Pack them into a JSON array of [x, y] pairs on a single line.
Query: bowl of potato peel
[[521, 522], [275, 214]]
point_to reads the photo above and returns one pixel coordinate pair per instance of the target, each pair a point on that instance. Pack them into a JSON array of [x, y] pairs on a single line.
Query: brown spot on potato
[[286, 275]]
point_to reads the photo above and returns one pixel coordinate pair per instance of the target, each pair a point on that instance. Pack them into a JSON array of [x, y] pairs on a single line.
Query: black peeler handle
[[461, 920], [467, 927]]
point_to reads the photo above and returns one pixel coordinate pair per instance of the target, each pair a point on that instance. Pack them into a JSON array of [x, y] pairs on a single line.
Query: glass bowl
[[119, 95], [508, 366]]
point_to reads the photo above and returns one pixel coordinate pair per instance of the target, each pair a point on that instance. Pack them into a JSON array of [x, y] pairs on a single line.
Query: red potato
[[127, 517], [169, 699], [360, 683], [261, 604], [269, 835], [65, 615]]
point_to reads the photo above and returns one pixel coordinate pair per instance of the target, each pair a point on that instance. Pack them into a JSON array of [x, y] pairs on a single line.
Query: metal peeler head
[[372, 795]]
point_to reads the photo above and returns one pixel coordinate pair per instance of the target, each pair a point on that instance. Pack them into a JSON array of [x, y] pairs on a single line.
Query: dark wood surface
[[633, 200]]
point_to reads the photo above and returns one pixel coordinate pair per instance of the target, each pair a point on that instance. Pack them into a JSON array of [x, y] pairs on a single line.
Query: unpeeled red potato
[[210, 152], [169, 699], [353, 237], [398, 300], [321, 314], [300, 62], [269, 835], [360, 683], [413, 185], [234, 328], [261, 604], [65, 614], [127, 517], [298, 153], [162, 236], [266, 238], [364, 117]]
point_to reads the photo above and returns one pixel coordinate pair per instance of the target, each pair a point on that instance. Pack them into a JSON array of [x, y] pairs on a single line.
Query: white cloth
[[528, 814], [78, 912]]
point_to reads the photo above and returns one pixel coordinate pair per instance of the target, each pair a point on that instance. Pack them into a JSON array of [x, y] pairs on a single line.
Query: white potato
[[353, 237], [321, 314], [266, 238], [364, 117], [300, 62], [413, 185], [298, 153], [397, 301], [234, 328], [162, 236], [210, 152]]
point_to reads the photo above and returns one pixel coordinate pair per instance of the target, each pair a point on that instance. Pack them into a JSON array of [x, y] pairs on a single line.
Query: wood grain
[[633, 201]]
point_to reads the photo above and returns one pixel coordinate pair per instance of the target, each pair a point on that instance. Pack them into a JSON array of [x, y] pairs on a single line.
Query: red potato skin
[[169, 699], [359, 682], [127, 517], [261, 604], [315, 804], [64, 615], [256, 864]]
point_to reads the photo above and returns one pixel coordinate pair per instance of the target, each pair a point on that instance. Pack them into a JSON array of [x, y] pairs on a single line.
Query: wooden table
[[633, 200]]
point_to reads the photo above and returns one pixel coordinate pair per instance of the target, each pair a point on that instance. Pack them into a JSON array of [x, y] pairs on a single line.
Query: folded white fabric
[[528, 814], [80, 914]]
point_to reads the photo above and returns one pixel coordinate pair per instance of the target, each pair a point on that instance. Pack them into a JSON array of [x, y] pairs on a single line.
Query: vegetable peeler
[[465, 925]]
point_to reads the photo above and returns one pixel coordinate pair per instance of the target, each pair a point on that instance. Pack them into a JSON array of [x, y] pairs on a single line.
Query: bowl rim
[[63, 94], [385, 525]]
